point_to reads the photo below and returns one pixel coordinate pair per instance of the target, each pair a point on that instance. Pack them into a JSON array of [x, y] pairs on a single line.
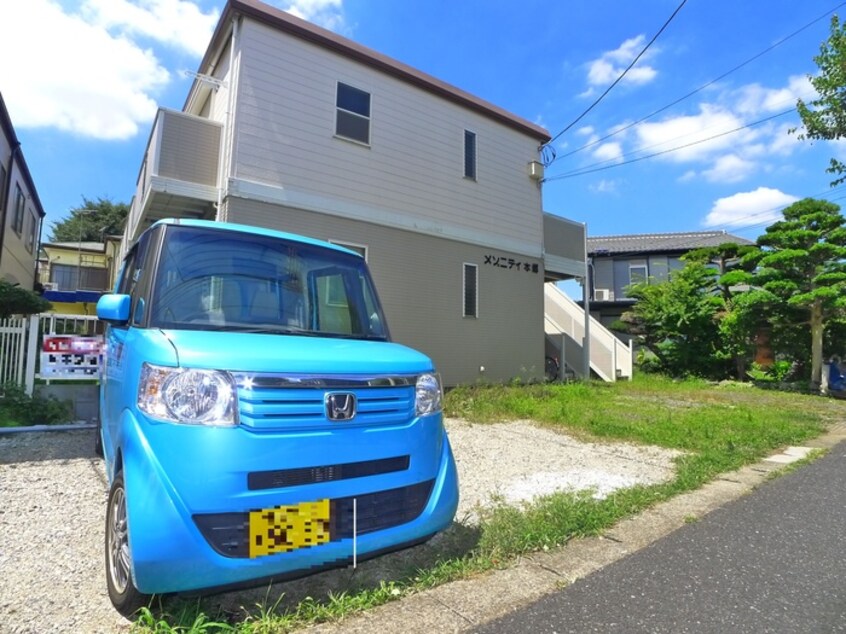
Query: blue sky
[[83, 105]]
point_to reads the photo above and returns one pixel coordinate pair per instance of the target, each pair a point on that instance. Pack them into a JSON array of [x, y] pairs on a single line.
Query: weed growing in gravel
[[719, 428]]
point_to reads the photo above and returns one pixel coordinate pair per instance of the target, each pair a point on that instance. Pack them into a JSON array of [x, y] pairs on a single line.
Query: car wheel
[[98, 440], [122, 592]]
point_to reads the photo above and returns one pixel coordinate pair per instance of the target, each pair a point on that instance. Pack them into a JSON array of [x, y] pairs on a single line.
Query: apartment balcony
[[563, 248], [179, 174]]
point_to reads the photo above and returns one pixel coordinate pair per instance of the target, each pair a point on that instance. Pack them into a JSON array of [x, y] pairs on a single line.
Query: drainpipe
[[586, 298], [7, 189], [225, 170]]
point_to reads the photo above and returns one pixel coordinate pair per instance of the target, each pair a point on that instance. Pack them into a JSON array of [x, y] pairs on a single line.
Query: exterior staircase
[[564, 327]]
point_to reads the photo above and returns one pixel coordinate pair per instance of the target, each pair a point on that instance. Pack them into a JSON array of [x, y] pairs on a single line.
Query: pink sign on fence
[[71, 357]]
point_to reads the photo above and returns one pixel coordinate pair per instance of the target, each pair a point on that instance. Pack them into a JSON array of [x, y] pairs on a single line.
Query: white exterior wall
[[413, 170]]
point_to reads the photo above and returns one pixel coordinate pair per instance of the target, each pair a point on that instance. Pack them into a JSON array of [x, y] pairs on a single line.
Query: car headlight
[[428, 395], [190, 397]]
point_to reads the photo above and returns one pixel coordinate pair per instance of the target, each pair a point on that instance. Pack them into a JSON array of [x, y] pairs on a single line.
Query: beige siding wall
[[189, 148], [419, 279], [17, 261], [284, 136]]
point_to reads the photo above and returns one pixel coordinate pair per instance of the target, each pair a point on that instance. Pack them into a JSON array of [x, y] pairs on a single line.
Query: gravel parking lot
[[53, 497]]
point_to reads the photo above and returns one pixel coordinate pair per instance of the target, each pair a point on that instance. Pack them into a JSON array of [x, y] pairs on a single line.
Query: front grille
[[281, 402], [258, 480], [228, 533]]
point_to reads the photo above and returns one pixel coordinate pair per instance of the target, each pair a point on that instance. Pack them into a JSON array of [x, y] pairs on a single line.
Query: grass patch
[[718, 427]]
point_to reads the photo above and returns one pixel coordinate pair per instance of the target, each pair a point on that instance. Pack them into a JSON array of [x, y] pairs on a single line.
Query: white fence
[[21, 342], [13, 342]]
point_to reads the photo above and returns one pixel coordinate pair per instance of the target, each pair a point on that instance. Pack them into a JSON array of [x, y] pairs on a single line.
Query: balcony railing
[[179, 172], [563, 248]]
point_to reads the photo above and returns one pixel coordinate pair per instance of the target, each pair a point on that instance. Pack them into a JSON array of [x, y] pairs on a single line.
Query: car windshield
[[213, 279]]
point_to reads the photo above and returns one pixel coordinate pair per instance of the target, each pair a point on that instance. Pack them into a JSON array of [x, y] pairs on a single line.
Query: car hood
[[285, 353]]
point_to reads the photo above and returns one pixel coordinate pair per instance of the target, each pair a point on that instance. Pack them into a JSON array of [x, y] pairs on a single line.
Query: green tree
[[677, 320], [801, 270], [738, 319], [824, 118], [90, 221], [15, 300]]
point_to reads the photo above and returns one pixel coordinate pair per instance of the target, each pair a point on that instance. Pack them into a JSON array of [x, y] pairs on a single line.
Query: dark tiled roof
[[660, 242]]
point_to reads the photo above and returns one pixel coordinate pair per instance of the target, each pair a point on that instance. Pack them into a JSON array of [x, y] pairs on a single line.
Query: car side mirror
[[114, 309]]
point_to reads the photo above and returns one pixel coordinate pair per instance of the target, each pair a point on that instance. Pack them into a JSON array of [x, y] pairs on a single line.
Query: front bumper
[[186, 538]]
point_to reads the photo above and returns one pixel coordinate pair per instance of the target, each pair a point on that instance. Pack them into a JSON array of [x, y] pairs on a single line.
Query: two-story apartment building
[[21, 213], [293, 127], [615, 262]]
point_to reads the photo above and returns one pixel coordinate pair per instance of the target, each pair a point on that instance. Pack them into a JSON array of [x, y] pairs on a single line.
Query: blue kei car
[[257, 422]]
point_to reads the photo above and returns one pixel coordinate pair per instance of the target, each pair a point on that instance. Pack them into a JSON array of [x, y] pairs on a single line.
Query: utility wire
[[623, 74], [702, 87], [581, 172], [615, 160]]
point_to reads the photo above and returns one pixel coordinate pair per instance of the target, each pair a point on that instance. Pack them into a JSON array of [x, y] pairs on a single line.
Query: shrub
[[18, 408]]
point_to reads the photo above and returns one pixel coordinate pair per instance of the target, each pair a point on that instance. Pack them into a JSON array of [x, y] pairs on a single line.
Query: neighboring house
[[21, 213], [292, 127], [73, 275], [615, 262]]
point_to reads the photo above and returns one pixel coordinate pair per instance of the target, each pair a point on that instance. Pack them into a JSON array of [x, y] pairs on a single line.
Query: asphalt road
[[773, 561]]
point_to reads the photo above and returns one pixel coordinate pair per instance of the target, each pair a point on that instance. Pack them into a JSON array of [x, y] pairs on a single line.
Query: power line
[[581, 172], [623, 74], [615, 160], [702, 87]]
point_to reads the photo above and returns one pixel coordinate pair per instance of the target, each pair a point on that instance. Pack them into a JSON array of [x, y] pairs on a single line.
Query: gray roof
[[84, 246], [660, 242]]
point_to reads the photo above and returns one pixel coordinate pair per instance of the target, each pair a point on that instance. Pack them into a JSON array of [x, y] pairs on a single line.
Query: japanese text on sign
[[511, 264], [71, 357]]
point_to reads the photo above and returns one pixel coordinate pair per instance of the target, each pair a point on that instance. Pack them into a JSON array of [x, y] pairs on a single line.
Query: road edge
[[461, 605]]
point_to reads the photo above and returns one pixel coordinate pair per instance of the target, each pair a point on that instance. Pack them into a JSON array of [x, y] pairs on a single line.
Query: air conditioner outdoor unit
[[601, 294], [51, 286]]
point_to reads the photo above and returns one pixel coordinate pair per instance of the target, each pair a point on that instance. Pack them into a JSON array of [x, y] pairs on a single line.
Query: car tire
[[98, 440], [122, 591]]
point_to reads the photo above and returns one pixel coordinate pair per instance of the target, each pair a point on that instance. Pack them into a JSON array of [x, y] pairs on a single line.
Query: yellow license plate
[[282, 529]]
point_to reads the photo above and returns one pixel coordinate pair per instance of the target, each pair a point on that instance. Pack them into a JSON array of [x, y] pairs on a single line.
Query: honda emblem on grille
[[340, 406]]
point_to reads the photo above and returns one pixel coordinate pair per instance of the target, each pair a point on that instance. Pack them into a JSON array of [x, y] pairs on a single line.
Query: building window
[[30, 236], [90, 278], [353, 117], [471, 290], [638, 273], [20, 203], [469, 154], [2, 191], [361, 249]]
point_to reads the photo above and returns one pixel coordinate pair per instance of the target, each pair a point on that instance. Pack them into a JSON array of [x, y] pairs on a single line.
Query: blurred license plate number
[[282, 529]]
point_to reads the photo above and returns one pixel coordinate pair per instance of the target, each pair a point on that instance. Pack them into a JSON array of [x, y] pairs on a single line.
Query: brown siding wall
[[419, 279]]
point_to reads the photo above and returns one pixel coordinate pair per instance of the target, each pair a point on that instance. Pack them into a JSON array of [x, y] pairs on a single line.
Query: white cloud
[[177, 23], [611, 64], [587, 130], [86, 81], [603, 187], [762, 205], [729, 169], [326, 13], [782, 141], [608, 152], [755, 100], [692, 131]]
